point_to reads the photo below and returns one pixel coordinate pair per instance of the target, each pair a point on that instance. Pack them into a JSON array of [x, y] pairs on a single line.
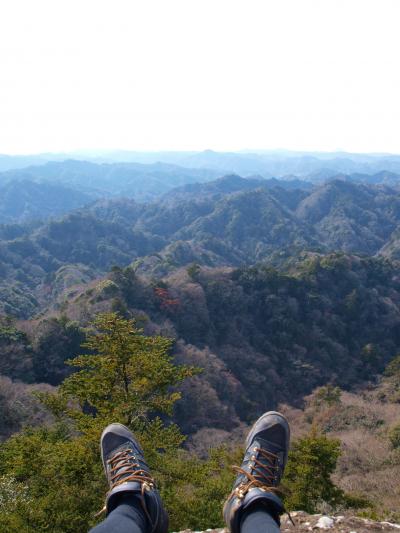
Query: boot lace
[[264, 475], [124, 468]]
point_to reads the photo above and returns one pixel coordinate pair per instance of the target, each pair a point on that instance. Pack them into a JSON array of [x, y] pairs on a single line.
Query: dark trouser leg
[[127, 517], [257, 519]]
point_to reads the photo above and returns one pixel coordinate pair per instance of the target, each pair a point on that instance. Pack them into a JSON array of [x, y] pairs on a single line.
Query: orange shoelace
[[263, 480], [131, 471], [264, 476]]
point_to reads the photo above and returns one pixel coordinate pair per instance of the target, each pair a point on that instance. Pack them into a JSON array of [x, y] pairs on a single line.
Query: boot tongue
[[265, 445], [270, 447]]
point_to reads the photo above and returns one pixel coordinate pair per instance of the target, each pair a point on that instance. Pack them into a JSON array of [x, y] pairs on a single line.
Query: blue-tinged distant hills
[[25, 200], [52, 188], [143, 182], [274, 163]]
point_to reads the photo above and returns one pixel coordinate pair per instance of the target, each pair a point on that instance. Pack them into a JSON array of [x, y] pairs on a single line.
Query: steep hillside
[[392, 247], [24, 200], [30, 262], [263, 336], [251, 224], [352, 217], [293, 188]]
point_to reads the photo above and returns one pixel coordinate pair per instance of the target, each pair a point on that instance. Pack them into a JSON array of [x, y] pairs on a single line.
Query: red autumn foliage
[[166, 302]]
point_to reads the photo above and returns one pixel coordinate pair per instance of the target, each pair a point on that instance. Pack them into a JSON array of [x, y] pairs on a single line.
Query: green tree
[[126, 377], [193, 271], [328, 395], [55, 340], [312, 461], [394, 436], [393, 368], [392, 380]]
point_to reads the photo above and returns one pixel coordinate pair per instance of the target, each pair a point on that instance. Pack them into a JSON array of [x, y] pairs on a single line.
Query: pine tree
[[312, 461], [126, 377]]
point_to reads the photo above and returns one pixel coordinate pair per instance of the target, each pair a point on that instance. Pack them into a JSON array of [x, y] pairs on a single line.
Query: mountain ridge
[[239, 227]]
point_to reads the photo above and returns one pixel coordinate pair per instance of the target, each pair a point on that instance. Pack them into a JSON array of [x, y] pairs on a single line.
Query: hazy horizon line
[[99, 151]]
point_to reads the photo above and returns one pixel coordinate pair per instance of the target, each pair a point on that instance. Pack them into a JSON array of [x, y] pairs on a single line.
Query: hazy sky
[[186, 74]]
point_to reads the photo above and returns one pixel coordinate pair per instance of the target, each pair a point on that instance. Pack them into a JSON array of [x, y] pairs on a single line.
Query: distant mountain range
[[57, 187], [230, 221], [278, 163], [143, 182]]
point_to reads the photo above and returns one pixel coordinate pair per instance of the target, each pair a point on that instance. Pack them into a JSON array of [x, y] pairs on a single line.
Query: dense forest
[[228, 222], [261, 335]]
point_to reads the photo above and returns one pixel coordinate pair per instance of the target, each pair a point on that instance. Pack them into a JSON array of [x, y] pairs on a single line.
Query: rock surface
[[334, 524]]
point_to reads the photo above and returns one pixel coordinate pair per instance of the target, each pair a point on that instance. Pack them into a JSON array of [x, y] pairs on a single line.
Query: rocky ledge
[[342, 524], [335, 524]]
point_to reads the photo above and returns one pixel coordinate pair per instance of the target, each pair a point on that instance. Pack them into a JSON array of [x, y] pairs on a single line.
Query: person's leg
[[254, 505], [133, 504], [258, 520], [127, 517]]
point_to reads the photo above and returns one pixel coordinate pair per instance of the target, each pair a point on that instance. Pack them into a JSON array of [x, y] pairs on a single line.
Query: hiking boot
[[127, 472], [267, 446]]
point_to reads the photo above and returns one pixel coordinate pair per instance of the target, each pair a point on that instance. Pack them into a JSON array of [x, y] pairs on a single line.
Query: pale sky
[[191, 75]]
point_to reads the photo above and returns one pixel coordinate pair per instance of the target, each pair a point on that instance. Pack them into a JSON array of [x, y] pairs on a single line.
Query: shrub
[[311, 462], [394, 436], [328, 395], [393, 368]]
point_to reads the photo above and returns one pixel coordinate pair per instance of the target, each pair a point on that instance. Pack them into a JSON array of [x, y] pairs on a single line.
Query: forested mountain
[[266, 336], [383, 177], [30, 262], [316, 319], [392, 247], [228, 222], [352, 217], [25, 200], [261, 335], [57, 187], [148, 175], [234, 183]]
